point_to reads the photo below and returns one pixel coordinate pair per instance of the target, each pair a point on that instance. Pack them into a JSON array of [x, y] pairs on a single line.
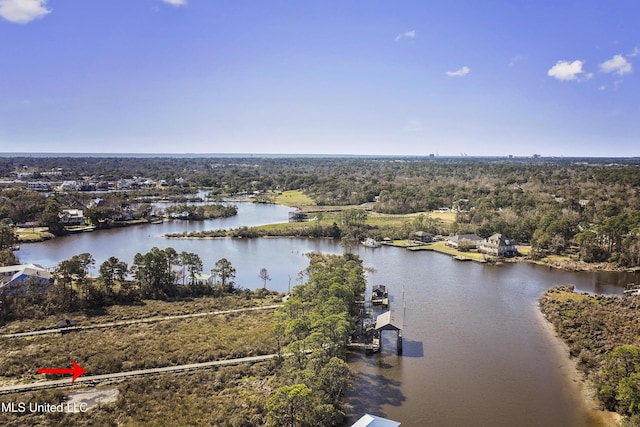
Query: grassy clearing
[[445, 217], [294, 198], [524, 250], [443, 248], [35, 234], [393, 219], [385, 220], [563, 296], [150, 308], [141, 346], [557, 258]]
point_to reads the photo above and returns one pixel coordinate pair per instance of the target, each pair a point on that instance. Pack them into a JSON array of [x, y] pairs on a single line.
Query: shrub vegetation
[[603, 333]]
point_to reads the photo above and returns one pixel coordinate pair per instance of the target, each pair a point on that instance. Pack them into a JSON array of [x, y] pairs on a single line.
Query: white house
[[39, 186], [13, 277], [72, 217], [68, 186], [471, 240]]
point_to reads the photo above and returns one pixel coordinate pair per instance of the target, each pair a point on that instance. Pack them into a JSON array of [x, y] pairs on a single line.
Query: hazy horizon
[[300, 155]]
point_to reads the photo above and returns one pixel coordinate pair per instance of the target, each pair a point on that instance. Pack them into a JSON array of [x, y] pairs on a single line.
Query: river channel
[[476, 352]]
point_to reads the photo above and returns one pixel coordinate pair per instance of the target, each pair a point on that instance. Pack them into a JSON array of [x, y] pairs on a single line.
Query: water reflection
[[375, 390], [412, 348]]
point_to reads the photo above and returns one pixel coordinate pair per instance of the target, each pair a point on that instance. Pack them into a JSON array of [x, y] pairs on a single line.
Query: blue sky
[[558, 78]]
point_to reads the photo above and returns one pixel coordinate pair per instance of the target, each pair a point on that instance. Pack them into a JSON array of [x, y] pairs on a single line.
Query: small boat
[[370, 243], [632, 290]]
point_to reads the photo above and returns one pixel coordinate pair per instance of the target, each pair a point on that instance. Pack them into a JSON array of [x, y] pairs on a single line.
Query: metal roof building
[[368, 420], [389, 321]]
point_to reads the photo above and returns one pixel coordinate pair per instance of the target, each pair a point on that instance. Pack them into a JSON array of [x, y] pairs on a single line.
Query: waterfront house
[[423, 236], [498, 245], [72, 217], [14, 279], [464, 240]]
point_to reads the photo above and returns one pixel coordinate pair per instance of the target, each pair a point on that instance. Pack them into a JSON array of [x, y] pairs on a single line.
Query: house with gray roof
[[468, 240], [498, 245]]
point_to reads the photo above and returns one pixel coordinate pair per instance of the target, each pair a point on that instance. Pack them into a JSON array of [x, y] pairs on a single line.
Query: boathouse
[[391, 321], [298, 216]]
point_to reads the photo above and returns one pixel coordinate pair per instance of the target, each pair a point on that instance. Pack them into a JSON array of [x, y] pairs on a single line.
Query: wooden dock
[[372, 347]]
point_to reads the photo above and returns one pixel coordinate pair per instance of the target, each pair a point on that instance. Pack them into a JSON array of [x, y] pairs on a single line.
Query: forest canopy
[[586, 207]]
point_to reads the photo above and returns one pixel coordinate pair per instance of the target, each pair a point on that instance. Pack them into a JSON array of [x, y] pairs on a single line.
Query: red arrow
[[76, 371]]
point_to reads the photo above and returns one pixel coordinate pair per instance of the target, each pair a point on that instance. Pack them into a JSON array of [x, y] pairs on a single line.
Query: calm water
[[283, 258], [475, 350]]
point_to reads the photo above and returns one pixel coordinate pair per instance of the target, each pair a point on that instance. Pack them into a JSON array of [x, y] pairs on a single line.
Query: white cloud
[[23, 11], [617, 65], [408, 34], [601, 88], [176, 3], [459, 73], [634, 52], [565, 70]]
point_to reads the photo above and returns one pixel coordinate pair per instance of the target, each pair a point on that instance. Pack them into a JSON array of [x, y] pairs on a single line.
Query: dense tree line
[[196, 212], [162, 274], [313, 329]]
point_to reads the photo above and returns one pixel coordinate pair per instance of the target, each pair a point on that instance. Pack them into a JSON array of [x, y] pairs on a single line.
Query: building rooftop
[[368, 420]]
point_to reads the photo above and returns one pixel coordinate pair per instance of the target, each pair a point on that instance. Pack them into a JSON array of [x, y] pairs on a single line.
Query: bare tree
[[264, 275]]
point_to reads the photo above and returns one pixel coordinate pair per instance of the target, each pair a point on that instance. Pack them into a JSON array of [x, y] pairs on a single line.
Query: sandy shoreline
[[576, 383]]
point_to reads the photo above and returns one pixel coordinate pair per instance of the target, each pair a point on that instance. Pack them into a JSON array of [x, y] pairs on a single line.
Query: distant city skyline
[[408, 78]]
